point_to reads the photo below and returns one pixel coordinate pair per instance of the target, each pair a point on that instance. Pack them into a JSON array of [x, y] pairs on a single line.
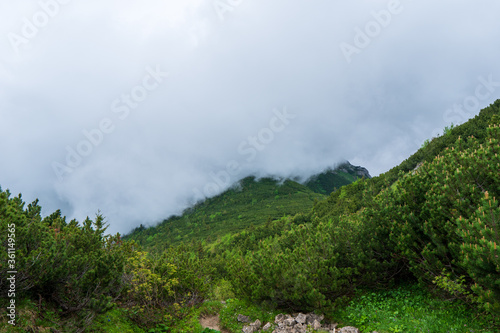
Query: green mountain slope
[[332, 179], [351, 198], [252, 203], [476, 127], [437, 224]]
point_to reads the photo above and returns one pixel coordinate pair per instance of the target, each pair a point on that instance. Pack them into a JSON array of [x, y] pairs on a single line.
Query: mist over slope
[[134, 113], [249, 202]]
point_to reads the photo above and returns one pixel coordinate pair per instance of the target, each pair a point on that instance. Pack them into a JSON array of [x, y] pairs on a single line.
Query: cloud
[[227, 78]]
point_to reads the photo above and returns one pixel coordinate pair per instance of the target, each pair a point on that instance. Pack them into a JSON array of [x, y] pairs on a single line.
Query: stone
[[266, 327], [249, 329], [300, 328], [301, 318], [316, 324], [349, 329], [257, 324], [279, 318], [311, 317], [334, 325], [243, 319], [289, 322]]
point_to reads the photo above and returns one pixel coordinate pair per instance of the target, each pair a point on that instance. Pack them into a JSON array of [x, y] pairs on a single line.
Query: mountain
[[277, 245], [432, 219], [332, 179], [249, 202]]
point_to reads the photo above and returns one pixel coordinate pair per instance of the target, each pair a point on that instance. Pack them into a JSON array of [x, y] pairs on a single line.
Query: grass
[[114, 321], [331, 180], [407, 308], [233, 307], [410, 309], [254, 203]]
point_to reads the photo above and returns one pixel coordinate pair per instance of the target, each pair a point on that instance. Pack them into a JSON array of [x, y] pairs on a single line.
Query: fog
[[140, 108]]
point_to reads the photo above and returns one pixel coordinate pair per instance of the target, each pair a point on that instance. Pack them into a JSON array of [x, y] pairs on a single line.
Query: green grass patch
[[191, 321], [233, 307], [410, 309], [114, 321], [253, 203]]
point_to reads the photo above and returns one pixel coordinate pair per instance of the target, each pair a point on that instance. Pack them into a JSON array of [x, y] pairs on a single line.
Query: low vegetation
[[415, 249]]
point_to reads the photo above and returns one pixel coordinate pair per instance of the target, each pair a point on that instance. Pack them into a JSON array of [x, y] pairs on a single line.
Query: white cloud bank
[[90, 119]]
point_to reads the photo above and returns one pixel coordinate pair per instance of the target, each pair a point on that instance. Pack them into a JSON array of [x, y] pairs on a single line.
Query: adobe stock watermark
[[372, 29], [222, 7], [247, 149], [11, 273], [470, 105], [31, 26], [121, 108]]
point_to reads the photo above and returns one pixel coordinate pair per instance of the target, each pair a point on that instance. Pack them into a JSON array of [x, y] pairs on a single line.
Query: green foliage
[[437, 216], [455, 287], [77, 267], [476, 127], [253, 203], [434, 218], [222, 290], [331, 180], [480, 251], [82, 272], [160, 328], [310, 266], [447, 130], [409, 309], [376, 230], [114, 321], [425, 144], [174, 281], [150, 283], [229, 314]]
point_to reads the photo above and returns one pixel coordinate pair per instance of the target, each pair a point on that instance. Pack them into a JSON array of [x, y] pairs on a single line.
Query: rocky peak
[[332, 179]]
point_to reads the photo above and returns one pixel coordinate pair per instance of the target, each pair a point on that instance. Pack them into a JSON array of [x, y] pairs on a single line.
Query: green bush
[[76, 267], [444, 216]]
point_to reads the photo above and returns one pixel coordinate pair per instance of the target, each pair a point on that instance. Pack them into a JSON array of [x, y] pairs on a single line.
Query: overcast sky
[[139, 108]]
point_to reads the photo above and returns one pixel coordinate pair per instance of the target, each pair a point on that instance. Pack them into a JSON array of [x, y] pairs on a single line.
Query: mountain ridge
[[249, 201]]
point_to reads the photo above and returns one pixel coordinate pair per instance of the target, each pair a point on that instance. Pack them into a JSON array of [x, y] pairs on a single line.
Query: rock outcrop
[[331, 180], [299, 323]]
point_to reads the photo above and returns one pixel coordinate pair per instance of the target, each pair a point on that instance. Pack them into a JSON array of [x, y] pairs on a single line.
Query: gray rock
[[332, 326], [300, 328], [311, 317], [316, 324], [257, 324], [349, 329], [289, 322], [249, 329], [279, 318], [243, 319], [301, 318], [266, 327]]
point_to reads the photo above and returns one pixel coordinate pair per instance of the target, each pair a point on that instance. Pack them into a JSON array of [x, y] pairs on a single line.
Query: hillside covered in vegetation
[[249, 203], [428, 227]]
